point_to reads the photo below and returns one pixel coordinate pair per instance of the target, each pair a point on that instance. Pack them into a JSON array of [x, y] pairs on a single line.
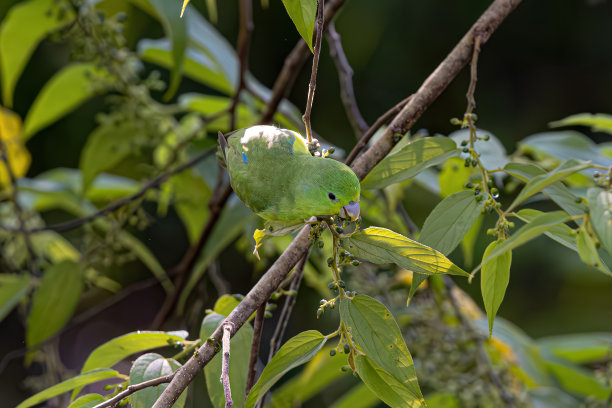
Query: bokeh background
[[548, 60]]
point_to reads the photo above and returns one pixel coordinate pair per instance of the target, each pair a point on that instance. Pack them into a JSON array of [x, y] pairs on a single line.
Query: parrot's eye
[[332, 196]]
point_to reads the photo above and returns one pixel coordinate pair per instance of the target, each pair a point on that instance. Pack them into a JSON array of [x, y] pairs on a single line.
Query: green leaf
[[492, 152], [303, 13], [450, 220], [599, 122], [374, 330], [13, 288], [563, 145], [417, 279], [410, 160], [557, 192], [106, 146], [87, 401], [600, 206], [23, 28], [442, 399], [576, 379], [68, 89], [469, 241], [211, 104], [359, 396], [546, 397], [225, 304], [70, 384], [588, 251], [381, 246], [119, 348], [295, 352], [583, 348], [55, 301], [148, 367], [494, 279], [384, 385], [453, 176], [560, 233], [240, 351], [538, 226], [538, 183], [169, 14], [319, 373], [191, 196]]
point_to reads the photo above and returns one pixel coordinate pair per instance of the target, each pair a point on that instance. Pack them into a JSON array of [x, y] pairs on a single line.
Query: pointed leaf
[[68, 89], [380, 246], [535, 228], [600, 206], [359, 396], [453, 176], [539, 183], [450, 220], [494, 279], [560, 233], [225, 304], [374, 330], [87, 401], [410, 160], [564, 145], [303, 13], [576, 379], [581, 348], [54, 302], [148, 367], [417, 279], [599, 122], [587, 249], [23, 28], [70, 384], [13, 288], [295, 352]]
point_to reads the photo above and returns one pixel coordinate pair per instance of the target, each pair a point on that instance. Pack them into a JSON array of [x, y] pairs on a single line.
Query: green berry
[[466, 150], [464, 143], [469, 184], [320, 312], [355, 263], [347, 348], [330, 261], [332, 285], [345, 368], [339, 230], [268, 315], [332, 352]]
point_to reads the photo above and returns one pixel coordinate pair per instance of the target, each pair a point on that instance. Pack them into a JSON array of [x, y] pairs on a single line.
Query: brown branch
[[225, 379], [473, 76], [68, 225], [257, 330], [345, 76], [292, 67], [315, 67], [382, 120], [429, 91], [244, 39], [283, 319], [133, 388]]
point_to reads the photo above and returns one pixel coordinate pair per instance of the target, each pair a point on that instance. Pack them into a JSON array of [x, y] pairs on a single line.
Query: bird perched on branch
[[273, 173]]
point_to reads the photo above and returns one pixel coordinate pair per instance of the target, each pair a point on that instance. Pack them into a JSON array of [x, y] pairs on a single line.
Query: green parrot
[[274, 174]]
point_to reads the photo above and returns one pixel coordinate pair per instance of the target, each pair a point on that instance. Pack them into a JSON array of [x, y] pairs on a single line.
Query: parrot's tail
[[221, 153]]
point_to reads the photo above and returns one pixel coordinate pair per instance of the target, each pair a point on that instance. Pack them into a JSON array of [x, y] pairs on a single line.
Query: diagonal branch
[[345, 74], [133, 388], [427, 93], [315, 67]]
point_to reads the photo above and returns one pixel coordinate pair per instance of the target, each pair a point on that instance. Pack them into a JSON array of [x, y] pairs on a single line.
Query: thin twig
[[479, 342], [429, 91], [68, 225], [292, 67], [315, 67], [244, 37], [345, 75], [257, 330], [225, 379], [285, 314], [473, 76], [382, 120], [133, 388]]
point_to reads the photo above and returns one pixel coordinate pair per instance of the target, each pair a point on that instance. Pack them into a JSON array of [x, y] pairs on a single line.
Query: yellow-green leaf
[[11, 134], [587, 249], [598, 122], [303, 14], [494, 279], [453, 176], [148, 367], [13, 288], [600, 205]]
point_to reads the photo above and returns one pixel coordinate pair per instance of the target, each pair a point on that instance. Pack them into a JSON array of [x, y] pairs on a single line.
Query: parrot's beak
[[351, 211]]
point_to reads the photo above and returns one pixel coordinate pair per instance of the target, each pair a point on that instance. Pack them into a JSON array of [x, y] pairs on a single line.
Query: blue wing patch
[[244, 158]]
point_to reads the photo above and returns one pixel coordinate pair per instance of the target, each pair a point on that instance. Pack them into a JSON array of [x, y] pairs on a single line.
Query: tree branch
[[225, 379], [429, 91], [133, 388], [244, 37], [345, 76], [257, 330], [315, 67]]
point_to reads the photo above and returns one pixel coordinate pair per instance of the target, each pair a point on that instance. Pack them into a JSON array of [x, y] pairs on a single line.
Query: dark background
[[548, 60]]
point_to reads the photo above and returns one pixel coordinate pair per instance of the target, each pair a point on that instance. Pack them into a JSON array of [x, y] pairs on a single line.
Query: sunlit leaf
[[185, 3], [225, 304], [492, 152], [576, 379], [409, 161], [25, 25], [191, 196], [11, 135], [494, 278], [600, 205], [54, 301], [560, 233], [359, 396], [70, 384], [87, 401], [581, 348], [599, 122], [148, 367], [295, 352], [240, 351], [469, 241], [450, 220], [453, 176], [563, 145], [538, 183], [535, 228], [381, 246], [13, 288], [64, 92], [374, 330], [303, 14], [588, 251]]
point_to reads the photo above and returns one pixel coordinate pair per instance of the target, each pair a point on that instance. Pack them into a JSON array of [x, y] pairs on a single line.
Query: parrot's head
[[330, 188]]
